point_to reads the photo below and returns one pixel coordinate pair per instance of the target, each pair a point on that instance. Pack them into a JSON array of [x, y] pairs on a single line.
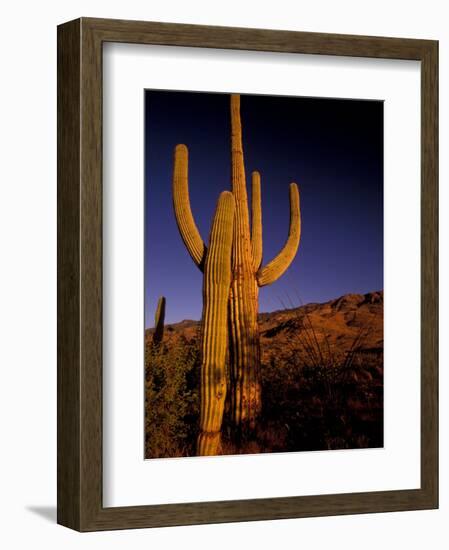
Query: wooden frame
[[80, 274]]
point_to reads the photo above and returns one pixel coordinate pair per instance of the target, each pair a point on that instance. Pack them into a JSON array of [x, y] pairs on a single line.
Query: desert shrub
[[319, 397], [317, 407], [171, 399]]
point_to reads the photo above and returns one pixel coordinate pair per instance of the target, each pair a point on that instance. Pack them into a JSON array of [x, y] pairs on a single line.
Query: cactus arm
[[273, 270], [183, 213], [216, 285], [159, 321], [256, 225]]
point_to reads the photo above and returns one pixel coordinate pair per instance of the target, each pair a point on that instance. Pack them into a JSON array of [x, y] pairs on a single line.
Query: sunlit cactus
[[216, 283], [246, 276], [159, 321]]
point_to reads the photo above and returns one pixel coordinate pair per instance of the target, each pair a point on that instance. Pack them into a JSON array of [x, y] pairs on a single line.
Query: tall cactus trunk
[[216, 282], [244, 356], [243, 302]]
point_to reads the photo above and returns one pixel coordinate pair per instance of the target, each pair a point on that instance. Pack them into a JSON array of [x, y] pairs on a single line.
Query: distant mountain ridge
[[333, 325]]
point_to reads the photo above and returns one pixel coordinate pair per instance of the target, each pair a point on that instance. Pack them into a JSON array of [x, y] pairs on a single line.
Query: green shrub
[[171, 399]]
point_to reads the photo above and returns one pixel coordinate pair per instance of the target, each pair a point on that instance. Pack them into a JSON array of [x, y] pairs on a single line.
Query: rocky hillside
[[322, 381], [313, 331]]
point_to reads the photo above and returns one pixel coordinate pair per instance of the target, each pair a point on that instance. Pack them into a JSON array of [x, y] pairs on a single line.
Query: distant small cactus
[[159, 321]]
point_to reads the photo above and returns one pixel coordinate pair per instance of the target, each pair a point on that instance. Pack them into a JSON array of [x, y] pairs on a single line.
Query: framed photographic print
[[247, 274]]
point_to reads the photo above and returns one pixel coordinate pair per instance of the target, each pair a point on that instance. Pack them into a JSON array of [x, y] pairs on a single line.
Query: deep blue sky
[[332, 148]]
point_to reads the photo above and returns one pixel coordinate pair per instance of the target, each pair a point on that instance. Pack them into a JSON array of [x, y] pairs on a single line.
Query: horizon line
[[186, 320]]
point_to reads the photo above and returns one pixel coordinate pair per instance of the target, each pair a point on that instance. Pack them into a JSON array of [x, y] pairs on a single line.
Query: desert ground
[[322, 381]]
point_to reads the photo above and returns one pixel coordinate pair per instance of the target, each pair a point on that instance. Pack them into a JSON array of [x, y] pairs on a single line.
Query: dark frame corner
[[80, 274]]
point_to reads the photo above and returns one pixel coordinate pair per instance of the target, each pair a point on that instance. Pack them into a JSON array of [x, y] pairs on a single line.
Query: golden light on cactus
[[243, 299], [181, 201], [216, 283], [246, 275], [276, 268], [256, 220]]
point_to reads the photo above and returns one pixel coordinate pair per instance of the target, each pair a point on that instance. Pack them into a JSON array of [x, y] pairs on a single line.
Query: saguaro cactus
[[247, 274], [216, 283], [243, 304], [159, 321]]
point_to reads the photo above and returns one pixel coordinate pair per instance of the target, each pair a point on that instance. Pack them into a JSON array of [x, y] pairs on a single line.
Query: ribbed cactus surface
[[181, 202], [243, 305], [256, 220], [240, 279], [216, 283], [276, 268]]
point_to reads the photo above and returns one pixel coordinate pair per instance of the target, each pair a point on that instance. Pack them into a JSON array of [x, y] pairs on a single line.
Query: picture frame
[[80, 274]]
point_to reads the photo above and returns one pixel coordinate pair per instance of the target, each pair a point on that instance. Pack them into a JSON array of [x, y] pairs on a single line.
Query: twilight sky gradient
[[332, 148]]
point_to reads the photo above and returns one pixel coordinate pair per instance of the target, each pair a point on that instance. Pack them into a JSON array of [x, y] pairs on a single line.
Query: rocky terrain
[[332, 327], [322, 380]]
